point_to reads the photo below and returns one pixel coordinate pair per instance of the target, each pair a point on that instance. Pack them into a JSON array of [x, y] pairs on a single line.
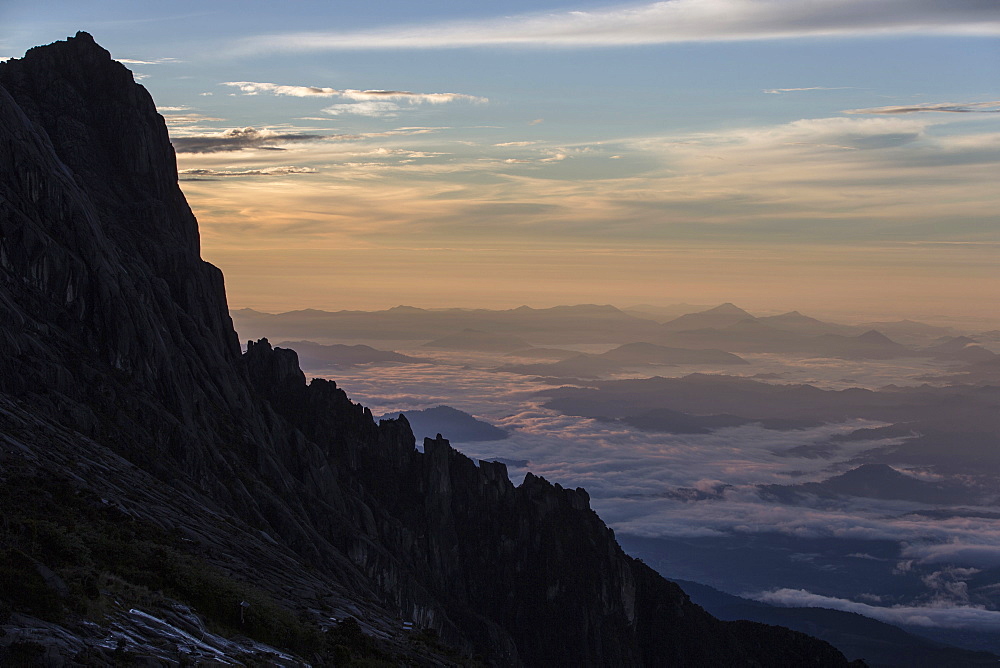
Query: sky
[[834, 156]]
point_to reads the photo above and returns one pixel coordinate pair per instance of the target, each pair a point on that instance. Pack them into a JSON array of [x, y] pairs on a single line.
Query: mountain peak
[[74, 60], [106, 130], [728, 309], [791, 316], [875, 336]]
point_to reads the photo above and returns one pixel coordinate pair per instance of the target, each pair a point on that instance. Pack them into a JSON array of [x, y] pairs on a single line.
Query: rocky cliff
[[151, 471]]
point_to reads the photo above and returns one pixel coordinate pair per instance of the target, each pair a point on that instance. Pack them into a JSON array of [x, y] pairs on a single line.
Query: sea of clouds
[[695, 486]]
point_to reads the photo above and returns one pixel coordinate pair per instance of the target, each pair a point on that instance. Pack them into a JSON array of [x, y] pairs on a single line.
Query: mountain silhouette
[[157, 479]]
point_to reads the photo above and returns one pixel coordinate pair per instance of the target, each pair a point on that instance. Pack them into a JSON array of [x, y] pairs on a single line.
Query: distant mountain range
[[722, 328]]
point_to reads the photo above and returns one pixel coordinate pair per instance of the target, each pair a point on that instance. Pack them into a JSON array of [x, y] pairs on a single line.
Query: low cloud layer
[[662, 22], [638, 479], [938, 615], [705, 487]]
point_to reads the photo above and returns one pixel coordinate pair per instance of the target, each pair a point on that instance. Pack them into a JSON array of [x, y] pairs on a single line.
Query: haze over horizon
[[833, 159]]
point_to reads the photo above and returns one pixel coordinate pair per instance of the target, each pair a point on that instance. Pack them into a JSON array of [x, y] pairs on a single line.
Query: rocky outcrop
[[122, 377]]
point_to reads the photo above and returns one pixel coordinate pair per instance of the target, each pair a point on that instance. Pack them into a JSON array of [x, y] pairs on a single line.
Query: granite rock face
[[121, 375]]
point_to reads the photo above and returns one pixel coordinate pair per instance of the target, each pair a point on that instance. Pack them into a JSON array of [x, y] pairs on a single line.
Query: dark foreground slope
[[148, 466]]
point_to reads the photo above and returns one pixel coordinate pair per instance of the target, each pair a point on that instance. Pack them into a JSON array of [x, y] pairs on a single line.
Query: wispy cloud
[[516, 143], [779, 91], [188, 119], [371, 103], [267, 171], [237, 139], [991, 107], [412, 98], [371, 108], [155, 61], [256, 88], [662, 22]]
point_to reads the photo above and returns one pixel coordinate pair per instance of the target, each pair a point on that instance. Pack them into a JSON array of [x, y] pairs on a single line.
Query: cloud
[[373, 109], [693, 485], [985, 554], [156, 61], [992, 107], [267, 171], [174, 120], [407, 96], [938, 615], [238, 139], [178, 108], [671, 21], [779, 91], [256, 88], [516, 143], [5, 58]]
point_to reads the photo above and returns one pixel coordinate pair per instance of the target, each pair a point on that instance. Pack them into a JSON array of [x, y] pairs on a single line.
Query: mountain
[[910, 331], [478, 340], [745, 335], [793, 321], [459, 425], [662, 313], [960, 414], [168, 499], [714, 318], [870, 345], [318, 356], [877, 481], [959, 348], [650, 353], [578, 366], [761, 335], [580, 323]]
